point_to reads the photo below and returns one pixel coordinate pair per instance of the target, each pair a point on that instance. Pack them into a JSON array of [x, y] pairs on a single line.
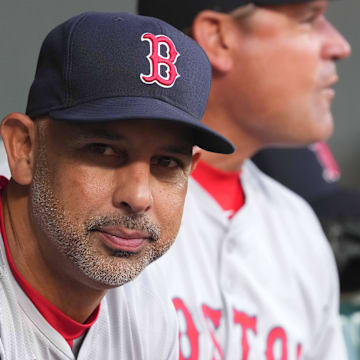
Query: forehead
[[299, 7], [132, 132], [294, 8], [269, 20]]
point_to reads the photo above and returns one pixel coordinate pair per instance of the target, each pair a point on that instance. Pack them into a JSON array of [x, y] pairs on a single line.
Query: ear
[[213, 33], [195, 158], [18, 133]]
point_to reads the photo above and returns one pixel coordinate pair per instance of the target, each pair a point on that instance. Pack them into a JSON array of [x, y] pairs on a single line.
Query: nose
[[133, 189], [335, 46]]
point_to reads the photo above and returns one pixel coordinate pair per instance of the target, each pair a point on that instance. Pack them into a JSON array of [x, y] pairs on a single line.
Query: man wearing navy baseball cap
[[260, 281], [99, 166]]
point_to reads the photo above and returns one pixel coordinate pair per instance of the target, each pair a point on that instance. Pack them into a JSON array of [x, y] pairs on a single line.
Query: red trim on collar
[[224, 186], [3, 182], [67, 327]]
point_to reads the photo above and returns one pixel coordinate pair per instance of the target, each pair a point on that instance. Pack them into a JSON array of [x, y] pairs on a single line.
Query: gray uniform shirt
[[4, 167], [134, 323]]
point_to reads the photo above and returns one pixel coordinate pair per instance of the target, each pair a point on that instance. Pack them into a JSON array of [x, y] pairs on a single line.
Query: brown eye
[[166, 162], [102, 149]]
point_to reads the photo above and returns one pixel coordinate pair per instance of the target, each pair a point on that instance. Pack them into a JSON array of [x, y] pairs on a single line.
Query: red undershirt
[[63, 324], [224, 186]]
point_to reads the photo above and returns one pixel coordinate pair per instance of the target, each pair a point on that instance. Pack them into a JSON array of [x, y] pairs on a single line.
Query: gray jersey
[[4, 167], [134, 323], [262, 286]]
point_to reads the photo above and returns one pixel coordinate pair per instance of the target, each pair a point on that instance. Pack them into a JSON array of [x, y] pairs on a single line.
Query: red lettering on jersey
[[157, 61], [247, 323], [277, 334], [215, 317], [298, 352], [190, 335]]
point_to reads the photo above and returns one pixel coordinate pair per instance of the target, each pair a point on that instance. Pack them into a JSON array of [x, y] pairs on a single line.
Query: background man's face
[[107, 200], [286, 72]]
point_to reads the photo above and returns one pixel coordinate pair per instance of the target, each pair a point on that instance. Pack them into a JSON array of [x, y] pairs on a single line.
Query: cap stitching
[[69, 65], [69, 58]]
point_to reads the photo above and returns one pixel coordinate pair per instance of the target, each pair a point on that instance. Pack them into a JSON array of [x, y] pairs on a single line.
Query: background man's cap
[[112, 66], [182, 13]]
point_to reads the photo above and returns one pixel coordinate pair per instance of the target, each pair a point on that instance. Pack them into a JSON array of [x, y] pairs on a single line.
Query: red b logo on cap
[[157, 61]]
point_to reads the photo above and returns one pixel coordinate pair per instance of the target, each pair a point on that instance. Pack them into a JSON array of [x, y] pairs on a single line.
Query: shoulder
[[273, 199], [256, 182], [4, 167], [292, 229], [281, 206], [14, 337]]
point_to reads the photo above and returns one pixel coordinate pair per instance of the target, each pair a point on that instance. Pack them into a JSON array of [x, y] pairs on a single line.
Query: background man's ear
[[211, 30], [18, 132], [195, 158]]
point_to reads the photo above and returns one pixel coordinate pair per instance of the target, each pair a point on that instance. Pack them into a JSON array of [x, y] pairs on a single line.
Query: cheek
[[299, 76], [168, 207], [278, 77], [287, 62], [82, 191]]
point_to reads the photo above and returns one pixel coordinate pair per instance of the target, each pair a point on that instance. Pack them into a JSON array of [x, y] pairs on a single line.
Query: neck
[[48, 278], [232, 163], [220, 118]]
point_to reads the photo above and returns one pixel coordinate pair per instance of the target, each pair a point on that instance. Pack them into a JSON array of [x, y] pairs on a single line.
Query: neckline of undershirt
[[63, 324], [224, 186]]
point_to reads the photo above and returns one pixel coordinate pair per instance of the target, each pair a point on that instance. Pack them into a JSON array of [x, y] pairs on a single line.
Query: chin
[[326, 131], [321, 127]]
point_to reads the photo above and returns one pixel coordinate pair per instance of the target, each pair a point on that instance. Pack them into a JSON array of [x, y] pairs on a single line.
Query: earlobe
[[211, 33], [18, 131]]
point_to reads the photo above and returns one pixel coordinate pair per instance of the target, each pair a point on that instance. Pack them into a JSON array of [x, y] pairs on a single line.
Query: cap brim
[[340, 204], [122, 108]]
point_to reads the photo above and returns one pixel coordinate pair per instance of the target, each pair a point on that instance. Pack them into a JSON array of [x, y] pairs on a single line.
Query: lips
[[123, 239], [329, 93], [327, 88], [329, 78]]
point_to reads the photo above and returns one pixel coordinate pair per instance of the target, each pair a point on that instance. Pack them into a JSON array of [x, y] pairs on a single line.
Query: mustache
[[135, 222]]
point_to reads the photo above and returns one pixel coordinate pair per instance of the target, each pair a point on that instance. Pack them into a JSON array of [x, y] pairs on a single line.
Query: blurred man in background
[[253, 276]]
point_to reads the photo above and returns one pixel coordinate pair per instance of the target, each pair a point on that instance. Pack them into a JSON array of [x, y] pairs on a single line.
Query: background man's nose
[[336, 47]]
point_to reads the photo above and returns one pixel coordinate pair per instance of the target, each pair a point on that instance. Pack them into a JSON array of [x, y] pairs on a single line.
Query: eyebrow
[[103, 134], [308, 8]]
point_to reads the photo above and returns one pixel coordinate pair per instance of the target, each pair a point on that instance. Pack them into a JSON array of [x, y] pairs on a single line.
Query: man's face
[[106, 200], [285, 72]]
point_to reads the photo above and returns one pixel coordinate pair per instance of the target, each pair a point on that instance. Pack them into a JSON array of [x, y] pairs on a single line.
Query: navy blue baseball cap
[[110, 66], [182, 13]]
